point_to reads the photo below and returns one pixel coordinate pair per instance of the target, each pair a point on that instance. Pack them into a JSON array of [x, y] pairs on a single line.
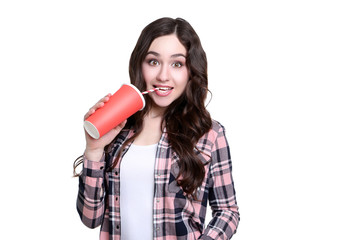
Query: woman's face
[[165, 67]]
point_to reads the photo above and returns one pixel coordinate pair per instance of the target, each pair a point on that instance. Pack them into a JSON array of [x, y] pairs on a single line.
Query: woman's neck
[[156, 112], [152, 129]]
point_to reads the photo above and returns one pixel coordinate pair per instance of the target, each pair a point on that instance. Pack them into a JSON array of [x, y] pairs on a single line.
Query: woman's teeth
[[165, 88]]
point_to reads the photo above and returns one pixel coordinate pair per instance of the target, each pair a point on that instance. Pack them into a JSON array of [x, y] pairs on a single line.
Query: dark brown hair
[[186, 119]]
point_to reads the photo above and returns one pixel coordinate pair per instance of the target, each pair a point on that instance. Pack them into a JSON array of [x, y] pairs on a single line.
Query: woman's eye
[[153, 62], [177, 64]]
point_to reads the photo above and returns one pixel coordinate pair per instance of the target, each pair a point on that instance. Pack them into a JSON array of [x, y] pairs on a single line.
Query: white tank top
[[137, 192]]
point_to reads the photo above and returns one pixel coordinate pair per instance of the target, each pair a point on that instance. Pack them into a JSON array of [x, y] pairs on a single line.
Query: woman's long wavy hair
[[186, 119]]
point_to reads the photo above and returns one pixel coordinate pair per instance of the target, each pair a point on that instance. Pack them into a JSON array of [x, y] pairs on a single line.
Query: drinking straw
[[149, 91]]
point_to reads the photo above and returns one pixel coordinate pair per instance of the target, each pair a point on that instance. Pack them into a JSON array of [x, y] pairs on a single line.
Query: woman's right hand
[[95, 147]]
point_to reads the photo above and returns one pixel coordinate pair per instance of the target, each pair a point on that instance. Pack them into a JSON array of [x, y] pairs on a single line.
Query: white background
[[284, 77]]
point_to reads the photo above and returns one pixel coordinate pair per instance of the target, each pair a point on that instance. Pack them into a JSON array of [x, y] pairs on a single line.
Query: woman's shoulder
[[213, 139], [216, 130], [217, 127], [124, 134]]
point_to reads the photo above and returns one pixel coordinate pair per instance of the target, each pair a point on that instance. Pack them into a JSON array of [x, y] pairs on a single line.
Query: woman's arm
[[222, 197], [91, 195]]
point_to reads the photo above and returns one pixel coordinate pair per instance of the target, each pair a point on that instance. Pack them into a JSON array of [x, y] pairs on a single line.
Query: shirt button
[[162, 150], [157, 200]]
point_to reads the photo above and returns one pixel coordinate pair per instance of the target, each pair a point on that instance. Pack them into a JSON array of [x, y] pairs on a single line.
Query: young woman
[[152, 176]]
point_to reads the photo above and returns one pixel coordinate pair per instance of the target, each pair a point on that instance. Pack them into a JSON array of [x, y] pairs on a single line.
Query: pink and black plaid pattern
[[175, 216]]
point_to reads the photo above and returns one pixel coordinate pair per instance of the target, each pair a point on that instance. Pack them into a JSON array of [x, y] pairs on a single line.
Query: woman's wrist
[[94, 154]]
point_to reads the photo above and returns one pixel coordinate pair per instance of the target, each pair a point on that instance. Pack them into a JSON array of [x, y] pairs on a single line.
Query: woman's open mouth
[[163, 90]]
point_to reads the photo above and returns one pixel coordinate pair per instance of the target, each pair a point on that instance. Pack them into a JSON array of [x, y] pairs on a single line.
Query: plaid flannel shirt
[[174, 215]]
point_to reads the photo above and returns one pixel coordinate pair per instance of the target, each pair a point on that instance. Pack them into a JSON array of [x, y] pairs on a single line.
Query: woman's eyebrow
[[178, 55], [172, 56], [153, 53]]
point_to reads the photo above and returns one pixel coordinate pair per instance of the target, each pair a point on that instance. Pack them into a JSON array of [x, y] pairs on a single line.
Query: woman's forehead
[[168, 45]]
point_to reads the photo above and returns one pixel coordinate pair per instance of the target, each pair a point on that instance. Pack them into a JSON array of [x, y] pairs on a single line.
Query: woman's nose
[[163, 74]]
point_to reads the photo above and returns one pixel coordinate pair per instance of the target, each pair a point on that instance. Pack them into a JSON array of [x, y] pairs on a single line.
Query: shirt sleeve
[[222, 197], [91, 195]]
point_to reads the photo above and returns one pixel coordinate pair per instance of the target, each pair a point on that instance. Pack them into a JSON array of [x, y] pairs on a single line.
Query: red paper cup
[[124, 103]]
